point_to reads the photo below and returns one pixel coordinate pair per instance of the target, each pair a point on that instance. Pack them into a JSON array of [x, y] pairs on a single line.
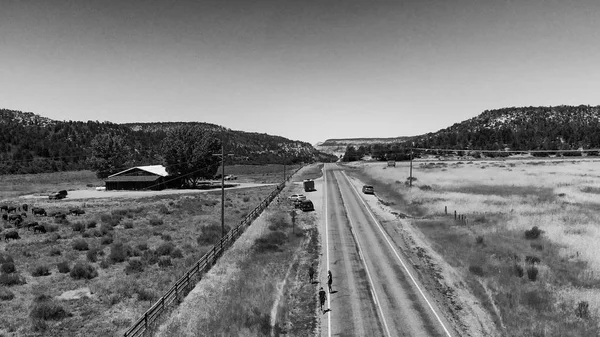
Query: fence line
[[194, 274]]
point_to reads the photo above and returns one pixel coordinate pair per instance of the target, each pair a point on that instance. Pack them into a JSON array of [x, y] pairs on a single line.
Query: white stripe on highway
[[397, 255], [327, 252]]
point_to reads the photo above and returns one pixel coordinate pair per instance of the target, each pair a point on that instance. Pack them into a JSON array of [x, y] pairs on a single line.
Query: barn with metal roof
[[150, 177]]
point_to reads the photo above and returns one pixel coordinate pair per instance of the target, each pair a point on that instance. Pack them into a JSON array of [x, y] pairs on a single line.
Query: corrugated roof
[[154, 169], [131, 178]]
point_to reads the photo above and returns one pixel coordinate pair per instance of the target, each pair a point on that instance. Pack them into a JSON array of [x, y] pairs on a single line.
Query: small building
[[150, 177]]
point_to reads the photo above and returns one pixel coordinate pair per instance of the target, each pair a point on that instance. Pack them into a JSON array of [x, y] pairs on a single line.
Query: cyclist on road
[[329, 280]]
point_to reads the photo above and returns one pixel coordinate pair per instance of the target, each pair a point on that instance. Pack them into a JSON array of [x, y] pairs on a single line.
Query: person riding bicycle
[[329, 280]]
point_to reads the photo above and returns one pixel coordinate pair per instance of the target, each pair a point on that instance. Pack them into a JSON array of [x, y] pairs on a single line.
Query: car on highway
[[297, 197], [230, 177], [368, 189], [305, 205]]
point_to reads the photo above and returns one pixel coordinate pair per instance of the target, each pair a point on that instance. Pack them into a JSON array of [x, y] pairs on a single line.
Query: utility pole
[[284, 160], [411, 159], [222, 154], [223, 190]]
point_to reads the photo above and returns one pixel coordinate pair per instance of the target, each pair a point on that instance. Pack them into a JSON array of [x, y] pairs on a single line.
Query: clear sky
[[305, 70]]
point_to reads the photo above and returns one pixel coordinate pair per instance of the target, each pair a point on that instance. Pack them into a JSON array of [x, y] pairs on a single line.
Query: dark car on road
[[368, 189], [305, 205], [58, 195]]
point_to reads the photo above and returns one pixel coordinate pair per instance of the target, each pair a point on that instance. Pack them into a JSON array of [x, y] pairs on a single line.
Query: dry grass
[[22, 184], [238, 294], [502, 200], [122, 290]]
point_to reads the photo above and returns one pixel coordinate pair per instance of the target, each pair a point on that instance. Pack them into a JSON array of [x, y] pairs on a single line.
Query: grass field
[[122, 253], [533, 286], [260, 285]]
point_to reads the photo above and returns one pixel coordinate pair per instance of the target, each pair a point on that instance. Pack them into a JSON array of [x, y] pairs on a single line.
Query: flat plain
[[524, 239], [96, 273]]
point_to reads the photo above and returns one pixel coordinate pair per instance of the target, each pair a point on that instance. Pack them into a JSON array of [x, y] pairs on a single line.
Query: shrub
[[92, 224], [63, 267], [51, 228], [166, 237], [118, 252], [128, 224], [165, 249], [532, 273], [80, 245], [537, 246], [96, 233], [48, 310], [142, 246], [144, 294], [55, 251], [176, 253], [106, 240], [5, 258], [479, 239], [583, 310], [8, 267], [476, 270], [111, 220], [533, 233], [61, 221], [162, 209], [164, 262], [136, 252], [105, 229], [134, 266], [92, 255], [104, 264], [11, 279], [6, 295], [519, 272], [82, 270], [270, 242], [85, 234], [155, 222], [150, 257], [246, 199], [211, 234], [40, 270]]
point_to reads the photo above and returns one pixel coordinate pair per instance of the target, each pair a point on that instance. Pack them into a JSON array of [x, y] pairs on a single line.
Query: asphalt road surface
[[375, 292]]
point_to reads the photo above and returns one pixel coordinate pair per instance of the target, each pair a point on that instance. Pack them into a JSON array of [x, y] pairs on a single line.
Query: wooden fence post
[[146, 320], [446, 210], [455, 215]]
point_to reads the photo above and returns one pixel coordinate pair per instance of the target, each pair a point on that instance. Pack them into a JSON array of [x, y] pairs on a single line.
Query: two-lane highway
[[375, 292]]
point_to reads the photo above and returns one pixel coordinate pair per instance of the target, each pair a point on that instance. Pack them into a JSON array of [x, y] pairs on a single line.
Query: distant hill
[[536, 129], [30, 143], [338, 147]]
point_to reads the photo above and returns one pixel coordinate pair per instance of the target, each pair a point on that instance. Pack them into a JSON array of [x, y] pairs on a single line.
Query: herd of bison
[[23, 217]]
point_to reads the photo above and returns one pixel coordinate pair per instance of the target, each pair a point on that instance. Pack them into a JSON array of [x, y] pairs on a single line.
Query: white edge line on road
[[397, 255], [327, 250], [371, 283]]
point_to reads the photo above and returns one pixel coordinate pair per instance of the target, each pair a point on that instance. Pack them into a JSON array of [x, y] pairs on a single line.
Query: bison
[[15, 217], [31, 225], [24, 207], [4, 208], [60, 216], [39, 228], [12, 235], [23, 214], [76, 211], [5, 217], [11, 209], [38, 211]]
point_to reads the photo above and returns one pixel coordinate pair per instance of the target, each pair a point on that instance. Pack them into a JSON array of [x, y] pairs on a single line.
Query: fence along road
[[377, 295], [187, 282]]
